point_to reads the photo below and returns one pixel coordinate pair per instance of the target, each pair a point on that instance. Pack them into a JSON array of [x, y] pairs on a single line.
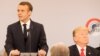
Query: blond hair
[[59, 49], [80, 28]]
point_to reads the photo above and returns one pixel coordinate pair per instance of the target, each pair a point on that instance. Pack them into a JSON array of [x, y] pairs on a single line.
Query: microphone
[[29, 39], [29, 44]]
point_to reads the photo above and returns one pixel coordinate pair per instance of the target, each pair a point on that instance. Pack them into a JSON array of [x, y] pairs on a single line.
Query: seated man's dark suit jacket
[[89, 51], [16, 40]]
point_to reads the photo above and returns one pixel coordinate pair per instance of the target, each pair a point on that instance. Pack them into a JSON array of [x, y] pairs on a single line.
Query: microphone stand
[[29, 36], [30, 44]]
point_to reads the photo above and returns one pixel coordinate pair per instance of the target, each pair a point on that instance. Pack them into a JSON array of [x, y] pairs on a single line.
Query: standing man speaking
[[18, 38]]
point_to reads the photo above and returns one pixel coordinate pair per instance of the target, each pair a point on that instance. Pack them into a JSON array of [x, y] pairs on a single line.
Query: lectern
[[28, 54]]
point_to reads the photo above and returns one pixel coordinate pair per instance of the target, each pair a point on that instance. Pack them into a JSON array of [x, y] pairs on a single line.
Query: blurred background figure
[[59, 49]]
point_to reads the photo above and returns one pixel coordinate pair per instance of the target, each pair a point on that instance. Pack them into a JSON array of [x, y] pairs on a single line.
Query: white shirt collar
[[28, 24], [79, 49]]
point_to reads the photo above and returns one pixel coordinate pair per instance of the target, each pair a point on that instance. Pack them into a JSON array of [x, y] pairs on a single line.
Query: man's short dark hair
[[28, 4]]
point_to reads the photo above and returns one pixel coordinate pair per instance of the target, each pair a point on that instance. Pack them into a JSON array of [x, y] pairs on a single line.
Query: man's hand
[[41, 52], [14, 53]]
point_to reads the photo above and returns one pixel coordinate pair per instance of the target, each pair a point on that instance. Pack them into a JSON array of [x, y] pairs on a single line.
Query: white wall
[[59, 17]]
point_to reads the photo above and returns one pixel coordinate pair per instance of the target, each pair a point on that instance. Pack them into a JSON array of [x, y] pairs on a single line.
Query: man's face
[[23, 12], [81, 37]]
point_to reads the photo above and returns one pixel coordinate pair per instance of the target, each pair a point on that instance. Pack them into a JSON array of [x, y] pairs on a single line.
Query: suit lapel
[[32, 27], [76, 51], [19, 31], [19, 28], [88, 51]]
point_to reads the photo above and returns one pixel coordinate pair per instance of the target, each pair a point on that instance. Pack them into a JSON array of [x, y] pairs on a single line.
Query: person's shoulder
[[98, 48], [93, 49], [72, 46], [36, 23], [13, 24]]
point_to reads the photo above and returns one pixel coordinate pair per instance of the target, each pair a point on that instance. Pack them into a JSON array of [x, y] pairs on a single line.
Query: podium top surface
[[28, 54]]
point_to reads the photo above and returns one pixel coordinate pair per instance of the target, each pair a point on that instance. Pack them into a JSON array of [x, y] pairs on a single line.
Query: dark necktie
[[27, 40], [82, 52], [25, 32]]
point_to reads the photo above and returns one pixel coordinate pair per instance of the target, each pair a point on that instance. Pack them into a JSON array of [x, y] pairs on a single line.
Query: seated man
[[59, 49], [81, 38]]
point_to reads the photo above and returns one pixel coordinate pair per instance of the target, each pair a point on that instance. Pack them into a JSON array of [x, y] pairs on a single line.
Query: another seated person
[[59, 49], [81, 39]]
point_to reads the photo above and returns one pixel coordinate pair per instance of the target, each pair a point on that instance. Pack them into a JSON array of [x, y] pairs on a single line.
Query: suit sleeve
[[9, 40], [43, 42]]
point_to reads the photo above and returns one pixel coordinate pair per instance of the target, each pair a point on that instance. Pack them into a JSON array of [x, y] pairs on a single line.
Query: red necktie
[[82, 52]]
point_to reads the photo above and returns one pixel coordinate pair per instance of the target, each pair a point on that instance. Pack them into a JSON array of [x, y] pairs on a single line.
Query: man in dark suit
[[29, 38], [80, 37]]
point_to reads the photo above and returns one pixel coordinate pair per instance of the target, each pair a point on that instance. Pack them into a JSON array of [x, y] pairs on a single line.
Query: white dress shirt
[[27, 25], [79, 49]]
